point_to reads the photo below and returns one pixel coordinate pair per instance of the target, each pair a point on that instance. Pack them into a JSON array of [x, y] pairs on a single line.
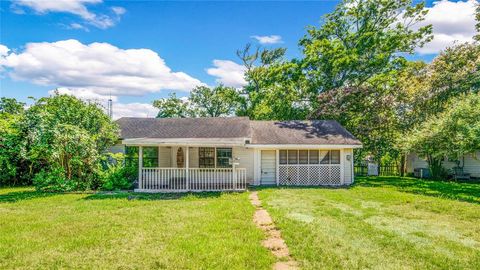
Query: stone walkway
[[274, 241]]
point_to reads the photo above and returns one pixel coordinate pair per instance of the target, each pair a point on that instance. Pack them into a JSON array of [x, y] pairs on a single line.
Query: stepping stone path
[[274, 241]]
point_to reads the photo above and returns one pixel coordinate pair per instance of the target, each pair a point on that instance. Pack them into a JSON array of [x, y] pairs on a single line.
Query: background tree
[[172, 107], [214, 102], [452, 133], [361, 39], [202, 102]]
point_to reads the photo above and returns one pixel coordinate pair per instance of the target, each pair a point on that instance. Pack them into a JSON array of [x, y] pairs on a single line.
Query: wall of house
[[164, 157], [471, 165], [246, 160], [347, 167], [118, 148]]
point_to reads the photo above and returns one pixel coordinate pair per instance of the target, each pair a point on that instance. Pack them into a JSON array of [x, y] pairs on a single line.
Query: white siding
[[246, 160], [164, 157], [347, 166], [193, 157], [471, 166]]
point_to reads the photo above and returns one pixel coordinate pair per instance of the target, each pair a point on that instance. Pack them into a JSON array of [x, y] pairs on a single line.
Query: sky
[[137, 51]]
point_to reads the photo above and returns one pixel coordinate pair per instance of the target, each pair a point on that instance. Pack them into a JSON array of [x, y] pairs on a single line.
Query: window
[[224, 155], [324, 157], [283, 156], [330, 157], [206, 157], [150, 157], [334, 156], [303, 157], [292, 156], [313, 157]]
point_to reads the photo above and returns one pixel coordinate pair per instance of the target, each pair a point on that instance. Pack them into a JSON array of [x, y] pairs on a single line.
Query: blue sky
[[186, 36]]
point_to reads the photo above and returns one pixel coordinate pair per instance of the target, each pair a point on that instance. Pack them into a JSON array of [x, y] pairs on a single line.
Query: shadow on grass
[[467, 192], [16, 196], [153, 196]]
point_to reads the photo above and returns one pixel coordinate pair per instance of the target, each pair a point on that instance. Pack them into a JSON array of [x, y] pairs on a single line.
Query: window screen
[[303, 156], [283, 156], [324, 157], [313, 159], [223, 157], [206, 157], [292, 157], [334, 156]]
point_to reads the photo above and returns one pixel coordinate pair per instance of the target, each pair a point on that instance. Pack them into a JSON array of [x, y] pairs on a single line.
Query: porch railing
[[192, 179]]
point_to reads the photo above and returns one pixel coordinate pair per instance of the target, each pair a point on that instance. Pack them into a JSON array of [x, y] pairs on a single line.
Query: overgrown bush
[[54, 180], [115, 174]]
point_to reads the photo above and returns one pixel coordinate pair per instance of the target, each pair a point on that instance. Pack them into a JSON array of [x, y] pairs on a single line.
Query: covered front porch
[[178, 167]]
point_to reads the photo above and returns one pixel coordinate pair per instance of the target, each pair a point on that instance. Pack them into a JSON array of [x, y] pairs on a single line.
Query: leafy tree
[[276, 88], [452, 133], [202, 102], [64, 136], [362, 39], [214, 102], [172, 107], [11, 106]]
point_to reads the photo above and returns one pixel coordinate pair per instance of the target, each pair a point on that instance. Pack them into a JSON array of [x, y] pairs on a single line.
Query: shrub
[[54, 180], [115, 174]]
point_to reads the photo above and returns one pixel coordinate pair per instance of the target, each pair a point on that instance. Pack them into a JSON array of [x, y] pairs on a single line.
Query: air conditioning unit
[[421, 173]]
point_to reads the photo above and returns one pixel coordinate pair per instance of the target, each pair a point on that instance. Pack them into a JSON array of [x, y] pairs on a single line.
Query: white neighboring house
[[470, 163], [200, 154]]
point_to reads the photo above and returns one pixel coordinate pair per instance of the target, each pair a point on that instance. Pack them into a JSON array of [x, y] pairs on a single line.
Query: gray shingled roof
[[214, 127], [301, 132], [260, 132]]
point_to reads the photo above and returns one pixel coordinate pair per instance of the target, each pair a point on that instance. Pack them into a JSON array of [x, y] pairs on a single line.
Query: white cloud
[[100, 67], [134, 109], [228, 73], [452, 22], [76, 7], [272, 39], [119, 10], [3, 50]]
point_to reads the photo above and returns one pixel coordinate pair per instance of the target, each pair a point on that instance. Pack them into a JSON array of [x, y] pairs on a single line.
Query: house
[[470, 163], [197, 154]]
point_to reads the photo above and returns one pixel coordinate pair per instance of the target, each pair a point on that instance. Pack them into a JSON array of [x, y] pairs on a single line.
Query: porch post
[[140, 167], [277, 167], [187, 165]]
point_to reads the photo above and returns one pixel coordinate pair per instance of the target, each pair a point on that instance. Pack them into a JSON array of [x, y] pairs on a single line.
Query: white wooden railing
[[192, 179], [310, 174]]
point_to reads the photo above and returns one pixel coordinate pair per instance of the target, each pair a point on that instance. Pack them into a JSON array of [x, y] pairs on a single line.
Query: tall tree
[[202, 102], [11, 106], [362, 39]]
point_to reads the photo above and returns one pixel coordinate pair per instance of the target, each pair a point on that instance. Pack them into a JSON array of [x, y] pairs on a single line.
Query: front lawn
[[380, 223], [203, 231]]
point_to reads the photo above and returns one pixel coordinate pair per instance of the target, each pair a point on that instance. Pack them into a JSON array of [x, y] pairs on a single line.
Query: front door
[[268, 172]]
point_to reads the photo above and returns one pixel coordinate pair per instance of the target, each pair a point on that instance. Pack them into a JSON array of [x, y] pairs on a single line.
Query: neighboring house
[[470, 163], [182, 154]]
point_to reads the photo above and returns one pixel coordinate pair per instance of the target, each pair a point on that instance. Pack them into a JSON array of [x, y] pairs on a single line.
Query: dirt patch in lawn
[[274, 241]]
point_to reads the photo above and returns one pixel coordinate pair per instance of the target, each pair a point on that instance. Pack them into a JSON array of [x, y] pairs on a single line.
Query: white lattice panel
[[301, 175]]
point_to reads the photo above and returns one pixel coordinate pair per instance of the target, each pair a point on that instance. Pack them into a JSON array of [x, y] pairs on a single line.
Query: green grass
[[380, 223], [88, 231]]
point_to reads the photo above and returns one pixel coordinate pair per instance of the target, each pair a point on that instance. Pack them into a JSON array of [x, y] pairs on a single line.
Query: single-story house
[[229, 153], [470, 163]]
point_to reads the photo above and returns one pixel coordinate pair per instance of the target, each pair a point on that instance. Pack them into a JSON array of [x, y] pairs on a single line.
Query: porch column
[[187, 166], [140, 167]]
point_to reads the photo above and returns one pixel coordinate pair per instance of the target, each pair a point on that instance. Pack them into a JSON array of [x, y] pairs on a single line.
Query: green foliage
[[11, 106], [172, 107], [54, 180], [214, 102], [63, 138], [202, 102], [116, 175], [362, 39], [452, 133]]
